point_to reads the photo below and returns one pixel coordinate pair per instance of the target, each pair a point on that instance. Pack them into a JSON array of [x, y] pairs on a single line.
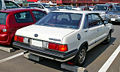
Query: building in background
[[77, 2]]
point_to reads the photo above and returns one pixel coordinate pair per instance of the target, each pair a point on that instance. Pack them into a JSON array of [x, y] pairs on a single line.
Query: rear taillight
[[19, 38], [58, 47], [3, 31]]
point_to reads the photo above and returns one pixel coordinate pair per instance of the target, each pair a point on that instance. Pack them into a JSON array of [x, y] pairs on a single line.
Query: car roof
[[75, 11], [17, 10]]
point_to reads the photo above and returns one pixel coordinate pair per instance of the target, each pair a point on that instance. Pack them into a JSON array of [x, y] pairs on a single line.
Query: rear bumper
[[5, 39], [46, 53]]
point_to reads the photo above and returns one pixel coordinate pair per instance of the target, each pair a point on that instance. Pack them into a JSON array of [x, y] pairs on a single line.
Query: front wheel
[[81, 56]]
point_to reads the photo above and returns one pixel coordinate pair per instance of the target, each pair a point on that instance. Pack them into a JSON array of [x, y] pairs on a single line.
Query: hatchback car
[[64, 35], [13, 19]]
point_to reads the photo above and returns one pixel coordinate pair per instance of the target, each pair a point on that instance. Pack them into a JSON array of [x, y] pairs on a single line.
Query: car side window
[[93, 20], [97, 19], [38, 15], [23, 17]]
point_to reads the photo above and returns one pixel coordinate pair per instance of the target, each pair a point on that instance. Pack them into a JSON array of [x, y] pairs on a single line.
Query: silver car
[[114, 15]]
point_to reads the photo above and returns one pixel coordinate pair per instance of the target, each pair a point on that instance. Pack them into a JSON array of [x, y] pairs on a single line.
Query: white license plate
[[36, 43], [112, 19]]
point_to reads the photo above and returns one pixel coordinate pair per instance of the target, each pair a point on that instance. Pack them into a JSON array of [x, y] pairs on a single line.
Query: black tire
[[11, 44], [81, 56], [108, 39]]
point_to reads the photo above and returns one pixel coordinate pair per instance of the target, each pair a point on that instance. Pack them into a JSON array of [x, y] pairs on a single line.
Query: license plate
[[112, 19], [36, 43]]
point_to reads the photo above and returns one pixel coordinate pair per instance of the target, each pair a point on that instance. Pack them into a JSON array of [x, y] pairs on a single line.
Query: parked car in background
[[64, 35], [114, 14], [53, 8], [68, 7], [103, 9], [13, 19], [43, 6], [8, 4], [81, 8], [91, 8]]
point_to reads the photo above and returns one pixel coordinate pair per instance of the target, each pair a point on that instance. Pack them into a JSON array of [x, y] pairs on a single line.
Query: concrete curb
[[7, 49], [73, 68], [32, 57]]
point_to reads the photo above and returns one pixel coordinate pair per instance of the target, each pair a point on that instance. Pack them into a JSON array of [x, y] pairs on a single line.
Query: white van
[[7, 4]]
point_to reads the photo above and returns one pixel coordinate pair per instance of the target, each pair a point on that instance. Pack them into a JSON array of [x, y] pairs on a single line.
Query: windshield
[[46, 5], [33, 5], [100, 8], [10, 4], [118, 8], [61, 7], [3, 18], [60, 19]]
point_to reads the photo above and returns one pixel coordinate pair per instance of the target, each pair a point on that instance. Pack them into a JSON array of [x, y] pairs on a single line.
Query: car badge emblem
[[36, 35]]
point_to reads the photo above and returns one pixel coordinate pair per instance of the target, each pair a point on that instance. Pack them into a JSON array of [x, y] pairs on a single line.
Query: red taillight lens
[[63, 48], [58, 47], [19, 38]]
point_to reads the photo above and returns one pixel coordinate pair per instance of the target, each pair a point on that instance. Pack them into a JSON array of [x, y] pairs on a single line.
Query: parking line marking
[[107, 64], [11, 57]]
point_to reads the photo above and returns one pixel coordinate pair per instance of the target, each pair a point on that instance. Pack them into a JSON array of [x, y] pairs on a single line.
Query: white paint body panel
[[44, 33]]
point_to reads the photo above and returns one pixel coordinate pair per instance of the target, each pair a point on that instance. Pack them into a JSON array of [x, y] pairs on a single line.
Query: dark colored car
[[13, 19]]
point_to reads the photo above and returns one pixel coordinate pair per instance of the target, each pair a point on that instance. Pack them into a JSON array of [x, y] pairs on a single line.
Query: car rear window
[[38, 14], [61, 19], [23, 17], [3, 18]]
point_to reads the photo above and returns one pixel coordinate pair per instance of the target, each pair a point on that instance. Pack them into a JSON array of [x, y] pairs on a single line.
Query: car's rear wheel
[[108, 39], [81, 56]]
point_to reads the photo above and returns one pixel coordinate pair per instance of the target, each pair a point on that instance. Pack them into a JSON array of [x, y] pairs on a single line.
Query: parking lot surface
[[95, 59]]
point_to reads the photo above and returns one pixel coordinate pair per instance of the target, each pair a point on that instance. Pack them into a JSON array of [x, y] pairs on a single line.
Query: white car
[[64, 35], [8, 4], [42, 6]]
